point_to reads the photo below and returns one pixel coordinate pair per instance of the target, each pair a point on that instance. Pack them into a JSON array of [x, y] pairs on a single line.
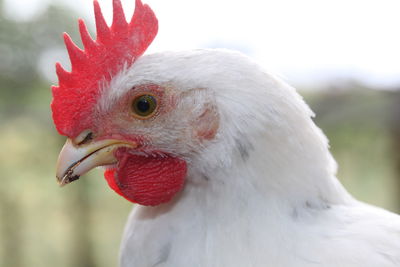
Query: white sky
[[307, 41]]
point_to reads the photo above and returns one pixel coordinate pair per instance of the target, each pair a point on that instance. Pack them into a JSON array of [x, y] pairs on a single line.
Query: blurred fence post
[[11, 232], [82, 248]]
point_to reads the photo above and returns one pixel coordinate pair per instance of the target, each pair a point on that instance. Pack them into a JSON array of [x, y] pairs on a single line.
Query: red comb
[[115, 47]]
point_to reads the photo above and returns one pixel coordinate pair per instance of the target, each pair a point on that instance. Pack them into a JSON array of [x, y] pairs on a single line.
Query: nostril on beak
[[85, 137]]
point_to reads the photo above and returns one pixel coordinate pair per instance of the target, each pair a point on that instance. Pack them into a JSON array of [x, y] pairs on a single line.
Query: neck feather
[[288, 167]]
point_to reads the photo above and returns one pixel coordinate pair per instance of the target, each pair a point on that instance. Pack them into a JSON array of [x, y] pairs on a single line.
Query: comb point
[[119, 20], [102, 29], [87, 40], [76, 55], [62, 74], [143, 13]]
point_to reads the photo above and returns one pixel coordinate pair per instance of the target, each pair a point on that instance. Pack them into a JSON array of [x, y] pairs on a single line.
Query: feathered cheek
[[148, 181]]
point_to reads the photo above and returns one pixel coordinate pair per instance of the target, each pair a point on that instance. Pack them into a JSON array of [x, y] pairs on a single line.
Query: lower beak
[[75, 161]]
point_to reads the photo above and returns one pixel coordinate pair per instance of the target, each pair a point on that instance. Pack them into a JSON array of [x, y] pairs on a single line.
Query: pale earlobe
[[207, 124]]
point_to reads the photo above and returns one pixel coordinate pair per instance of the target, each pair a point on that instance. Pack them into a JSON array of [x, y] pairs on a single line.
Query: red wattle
[[148, 181], [109, 174]]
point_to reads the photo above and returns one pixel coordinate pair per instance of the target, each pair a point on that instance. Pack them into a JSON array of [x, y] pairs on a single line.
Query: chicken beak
[[76, 160]]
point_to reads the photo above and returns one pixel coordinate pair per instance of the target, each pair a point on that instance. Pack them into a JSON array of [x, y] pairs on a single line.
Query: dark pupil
[[143, 105]]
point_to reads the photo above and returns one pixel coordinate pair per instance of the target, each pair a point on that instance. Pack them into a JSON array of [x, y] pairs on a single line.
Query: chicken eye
[[144, 106]]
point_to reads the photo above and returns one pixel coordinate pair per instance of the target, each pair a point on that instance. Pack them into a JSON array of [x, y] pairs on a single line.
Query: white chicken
[[224, 158]]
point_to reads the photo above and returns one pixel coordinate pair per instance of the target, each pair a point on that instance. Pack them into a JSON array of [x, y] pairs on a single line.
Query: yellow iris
[[144, 106]]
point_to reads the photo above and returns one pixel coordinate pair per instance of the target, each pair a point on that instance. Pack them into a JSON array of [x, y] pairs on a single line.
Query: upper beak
[[75, 160]]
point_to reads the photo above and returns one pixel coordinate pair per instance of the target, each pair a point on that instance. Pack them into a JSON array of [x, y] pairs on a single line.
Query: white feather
[[264, 192]]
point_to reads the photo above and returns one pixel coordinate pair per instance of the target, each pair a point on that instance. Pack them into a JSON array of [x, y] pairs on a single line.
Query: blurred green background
[[81, 225]]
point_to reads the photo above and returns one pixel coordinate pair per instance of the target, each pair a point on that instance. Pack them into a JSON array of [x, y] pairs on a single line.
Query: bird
[[221, 158]]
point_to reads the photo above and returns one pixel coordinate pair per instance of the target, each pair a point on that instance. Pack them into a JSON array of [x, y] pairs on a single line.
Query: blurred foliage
[[21, 46], [81, 225], [359, 123]]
